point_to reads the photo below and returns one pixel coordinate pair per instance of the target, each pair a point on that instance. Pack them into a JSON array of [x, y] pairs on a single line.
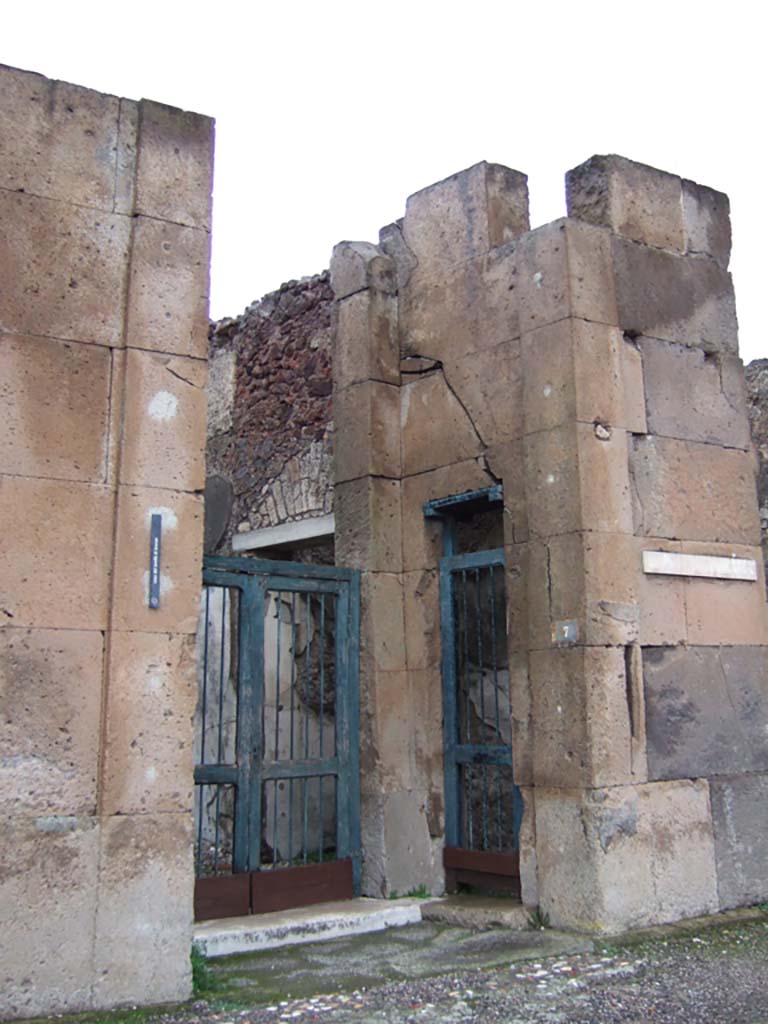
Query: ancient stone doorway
[[276, 778]]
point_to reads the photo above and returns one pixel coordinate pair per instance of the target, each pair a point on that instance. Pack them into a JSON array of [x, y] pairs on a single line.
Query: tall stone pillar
[[105, 213], [637, 440]]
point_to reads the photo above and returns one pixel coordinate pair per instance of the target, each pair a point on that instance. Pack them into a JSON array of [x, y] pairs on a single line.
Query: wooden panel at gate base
[[300, 887], [479, 860], [222, 896]]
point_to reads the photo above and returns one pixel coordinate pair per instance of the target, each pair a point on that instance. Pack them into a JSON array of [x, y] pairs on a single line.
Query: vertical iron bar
[[205, 674], [279, 606], [322, 712], [274, 823], [200, 790], [462, 680], [494, 659], [470, 804], [483, 727], [307, 671], [221, 721], [292, 690]]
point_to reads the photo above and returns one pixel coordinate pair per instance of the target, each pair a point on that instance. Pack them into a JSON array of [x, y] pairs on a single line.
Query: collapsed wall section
[[104, 250]]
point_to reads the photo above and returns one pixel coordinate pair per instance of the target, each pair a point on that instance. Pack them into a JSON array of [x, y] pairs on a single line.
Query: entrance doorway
[[277, 805]]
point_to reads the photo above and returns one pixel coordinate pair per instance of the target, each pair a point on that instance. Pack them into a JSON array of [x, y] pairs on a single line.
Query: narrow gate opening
[[483, 803]]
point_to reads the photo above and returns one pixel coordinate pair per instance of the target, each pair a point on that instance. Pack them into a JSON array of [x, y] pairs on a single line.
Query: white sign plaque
[[715, 567]]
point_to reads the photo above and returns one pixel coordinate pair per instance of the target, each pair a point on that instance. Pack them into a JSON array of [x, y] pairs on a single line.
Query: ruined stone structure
[[579, 381], [591, 367], [104, 251]]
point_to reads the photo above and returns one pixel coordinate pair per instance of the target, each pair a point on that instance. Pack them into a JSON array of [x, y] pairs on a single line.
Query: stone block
[[423, 539], [174, 165], [489, 386], [706, 710], [152, 689], [426, 730], [461, 308], [529, 886], [522, 562], [686, 490], [367, 345], [116, 409], [662, 599], [462, 217], [164, 422], [222, 369], [55, 574], [368, 533], [707, 222], [694, 395], [180, 565], [674, 298], [740, 825], [393, 734], [59, 141], [382, 628], [127, 145], [552, 481], [625, 857], [520, 701], [633, 200], [50, 716], [357, 266], [54, 405], [62, 269], [726, 611], [367, 434], [48, 884], [168, 288], [576, 370], [421, 591], [144, 917], [507, 463], [412, 858], [581, 717], [604, 483], [437, 429]]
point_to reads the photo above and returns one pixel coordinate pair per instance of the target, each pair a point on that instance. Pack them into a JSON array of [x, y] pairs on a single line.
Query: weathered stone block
[[127, 145], [565, 269], [422, 541], [507, 463], [367, 435], [437, 429], [661, 598], [683, 489], [168, 288], [367, 345], [463, 216], [581, 717], [144, 917], [174, 166], [393, 732], [576, 370], [520, 701], [740, 824], [633, 200], [693, 395], [48, 889], [707, 222], [57, 431], [382, 630], [181, 558], [726, 611], [164, 422], [50, 708], [369, 524], [357, 266], [706, 710], [421, 590], [529, 885], [148, 764], [426, 728], [462, 308], [625, 857], [604, 484], [55, 573], [552, 481], [675, 298], [413, 859], [57, 140], [62, 269]]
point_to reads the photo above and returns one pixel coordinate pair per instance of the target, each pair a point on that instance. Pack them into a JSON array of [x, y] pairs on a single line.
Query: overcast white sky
[[329, 114]]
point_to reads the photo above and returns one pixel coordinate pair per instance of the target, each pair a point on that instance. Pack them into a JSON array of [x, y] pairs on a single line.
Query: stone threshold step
[[326, 921]]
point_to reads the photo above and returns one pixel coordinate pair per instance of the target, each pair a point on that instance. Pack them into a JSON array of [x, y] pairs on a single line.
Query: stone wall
[[590, 366], [105, 213], [269, 425]]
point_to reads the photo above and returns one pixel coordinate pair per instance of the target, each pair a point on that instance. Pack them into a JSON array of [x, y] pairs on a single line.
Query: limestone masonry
[[582, 377]]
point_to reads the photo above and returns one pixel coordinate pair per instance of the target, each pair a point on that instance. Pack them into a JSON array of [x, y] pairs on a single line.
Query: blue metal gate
[[277, 819], [483, 806]]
